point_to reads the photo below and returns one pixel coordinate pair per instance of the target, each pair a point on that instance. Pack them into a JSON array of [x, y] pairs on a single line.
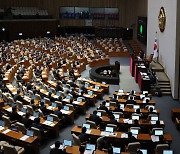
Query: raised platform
[[97, 74]]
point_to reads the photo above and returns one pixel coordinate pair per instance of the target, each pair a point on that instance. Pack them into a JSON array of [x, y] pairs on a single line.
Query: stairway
[[162, 80]]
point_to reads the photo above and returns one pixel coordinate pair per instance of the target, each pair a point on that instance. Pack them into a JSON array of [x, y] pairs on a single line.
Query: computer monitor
[[158, 132], [68, 97], [107, 104], [50, 118], [54, 105], [86, 85], [116, 150], [66, 108], [67, 143], [167, 151], [99, 114], [136, 106], [135, 117], [91, 147], [30, 133], [97, 87], [154, 118], [36, 114], [79, 99], [109, 129], [2, 123], [134, 131], [144, 151], [90, 93], [88, 126], [117, 116], [23, 110]]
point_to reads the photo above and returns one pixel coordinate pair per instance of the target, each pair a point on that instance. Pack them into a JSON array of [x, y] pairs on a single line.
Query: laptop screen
[[2, 123], [97, 87], [144, 151], [117, 116], [66, 108], [116, 150], [23, 110], [90, 93], [109, 129], [135, 117], [135, 131], [122, 106], [30, 133], [43, 100], [154, 118], [90, 147], [158, 132], [58, 94], [79, 99], [136, 106], [68, 143], [68, 97], [167, 151], [121, 91], [50, 118], [54, 105], [87, 126], [36, 114], [107, 104], [32, 97], [99, 114], [86, 85]]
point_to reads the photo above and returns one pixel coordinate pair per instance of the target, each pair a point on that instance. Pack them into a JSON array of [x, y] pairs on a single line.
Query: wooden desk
[[175, 113]]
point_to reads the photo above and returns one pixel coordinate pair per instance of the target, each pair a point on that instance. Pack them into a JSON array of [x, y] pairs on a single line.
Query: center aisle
[[126, 82]]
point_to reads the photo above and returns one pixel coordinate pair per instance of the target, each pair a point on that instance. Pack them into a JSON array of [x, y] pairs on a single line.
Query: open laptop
[[2, 123], [154, 118], [109, 129], [167, 151], [135, 117], [145, 92], [122, 106], [90, 93], [144, 151], [86, 85], [68, 97], [88, 126], [50, 118], [23, 110], [50, 90], [117, 116], [66, 108], [36, 114], [107, 104], [99, 114], [79, 99], [58, 93], [158, 132], [67, 143], [97, 87], [134, 131], [136, 106], [116, 150], [90, 147], [54, 105], [30, 133]]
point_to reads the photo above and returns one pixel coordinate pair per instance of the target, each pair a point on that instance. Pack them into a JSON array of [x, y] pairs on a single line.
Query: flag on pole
[[155, 53]]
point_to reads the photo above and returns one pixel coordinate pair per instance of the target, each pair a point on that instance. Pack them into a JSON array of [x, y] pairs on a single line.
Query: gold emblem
[[162, 19]]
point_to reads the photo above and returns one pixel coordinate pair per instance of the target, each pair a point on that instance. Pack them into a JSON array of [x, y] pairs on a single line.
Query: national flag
[[155, 48]]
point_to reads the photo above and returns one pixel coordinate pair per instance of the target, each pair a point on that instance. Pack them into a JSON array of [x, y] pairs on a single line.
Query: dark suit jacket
[[95, 118], [56, 151]]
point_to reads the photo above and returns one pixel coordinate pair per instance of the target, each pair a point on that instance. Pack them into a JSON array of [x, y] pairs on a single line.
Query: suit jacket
[[56, 151], [95, 118]]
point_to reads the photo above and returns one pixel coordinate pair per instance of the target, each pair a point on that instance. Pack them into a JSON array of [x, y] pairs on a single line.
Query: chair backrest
[[130, 106], [7, 121], [103, 112], [133, 147], [112, 125], [30, 109], [55, 117], [76, 140], [37, 97], [58, 103], [160, 147], [37, 132], [19, 105], [98, 143], [47, 101], [92, 123], [9, 149], [21, 127]]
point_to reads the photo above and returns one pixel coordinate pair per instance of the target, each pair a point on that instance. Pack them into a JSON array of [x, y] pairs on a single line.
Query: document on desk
[[124, 135], [32, 117], [9, 109], [76, 102], [47, 123], [24, 137], [161, 122], [65, 112], [88, 131], [129, 121], [60, 147], [6, 131], [88, 152], [86, 95], [103, 133], [153, 122], [155, 138], [1, 128], [135, 136], [21, 113]]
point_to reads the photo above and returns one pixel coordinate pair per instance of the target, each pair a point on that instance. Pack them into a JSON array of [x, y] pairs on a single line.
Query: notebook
[[67, 143], [109, 129], [158, 132], [30, 133], [116, 150]]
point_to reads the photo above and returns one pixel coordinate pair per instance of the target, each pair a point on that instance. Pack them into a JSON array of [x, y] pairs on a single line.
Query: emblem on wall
[[162, 19]]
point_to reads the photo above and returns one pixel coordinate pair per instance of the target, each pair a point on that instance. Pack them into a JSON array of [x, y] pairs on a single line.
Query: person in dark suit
[[14, 117], [131, 101], [59, 87], [112, 120], [83, 136], [114, 99], [95, 118], [103, 107], [29, 86], [43, 108], [117, 108], [56, 149], [58, 112], [18, 97], [36, 124], [103, 143], [130, 138], [26, 121]]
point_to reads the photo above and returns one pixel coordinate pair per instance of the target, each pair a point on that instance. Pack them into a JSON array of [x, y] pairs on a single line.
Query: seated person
[[94, 117], [26, 121], [131, 100], [130, 139], [58, 112], [14, 117], [18, 97], [83, 136], [117, 108], [36, 124], [82, 149], [43, 108], [56, 149], [112, 120], [103, 107], [114, 99], [103, 143]]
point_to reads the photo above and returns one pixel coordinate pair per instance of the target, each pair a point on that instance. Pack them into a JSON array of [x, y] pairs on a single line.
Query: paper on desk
[[155, 138], [113, 134], [88, 152], [32, 117], [161, 122], [135, 136], [86, 95], [129, 121], [24, 137], [103, 133], [88, 131], [76, 102], [124, 135], [6, 131], [153, 122], [9, 109], [60, 147], [64, 112], [21, 113], [1, 128]]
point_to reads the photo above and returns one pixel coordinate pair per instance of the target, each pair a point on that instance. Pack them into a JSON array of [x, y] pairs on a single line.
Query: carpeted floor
[[164, 103]]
